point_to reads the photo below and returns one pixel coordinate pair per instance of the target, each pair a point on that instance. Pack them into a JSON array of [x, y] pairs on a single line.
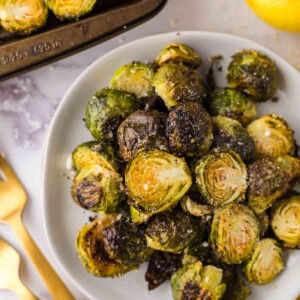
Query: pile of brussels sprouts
[[187, 177], [26, 16]]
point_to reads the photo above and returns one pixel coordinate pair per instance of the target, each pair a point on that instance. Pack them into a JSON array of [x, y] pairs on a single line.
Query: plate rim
[[63, 101]]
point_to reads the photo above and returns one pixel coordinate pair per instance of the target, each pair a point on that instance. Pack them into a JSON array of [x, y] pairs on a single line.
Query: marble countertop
[[28, 103]]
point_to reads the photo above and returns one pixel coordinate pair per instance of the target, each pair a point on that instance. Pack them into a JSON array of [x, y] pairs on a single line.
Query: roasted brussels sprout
[[176, 83], [270, 179], [95, 153], [230, 134], [194, 208], [236, 288], [142, 130], [135, 78], [90, 249], [23, 16], [265, 263], [126, 243], [66, 10], [189, 129], [171, 232], [234, 233], [285, 221], [272, 136], [253, 73], [179, 53], [156, 181], [138, 217], [106, 110], [194, 281], [162, 265], [232, 104], [221, 177], [98, 189]]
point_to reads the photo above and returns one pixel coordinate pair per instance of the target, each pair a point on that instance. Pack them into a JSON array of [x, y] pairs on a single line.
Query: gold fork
[[9, 272], [12, 202]]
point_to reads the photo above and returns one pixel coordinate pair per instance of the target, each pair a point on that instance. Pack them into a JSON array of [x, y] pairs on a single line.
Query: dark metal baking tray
[[19, 54]]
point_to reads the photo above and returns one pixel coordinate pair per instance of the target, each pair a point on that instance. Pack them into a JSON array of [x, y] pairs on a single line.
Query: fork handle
[[22, 291], [56, 287]]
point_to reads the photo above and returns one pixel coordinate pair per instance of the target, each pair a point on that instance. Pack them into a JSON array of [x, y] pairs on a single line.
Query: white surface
[[27, 103], [64, 219]]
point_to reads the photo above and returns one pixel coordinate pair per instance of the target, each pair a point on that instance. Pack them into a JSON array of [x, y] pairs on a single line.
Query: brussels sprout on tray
[[195, 185]]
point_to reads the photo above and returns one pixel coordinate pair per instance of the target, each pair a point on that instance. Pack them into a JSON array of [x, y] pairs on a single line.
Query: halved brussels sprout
[[142, 130], [171, 232], [234, 233], [66, 10], [265, 263], [221, 177], [98, 189], [189, 129], [230, 134], [179, 53], [270, 179], [194, 208], [253, 73], [233, 104], [285, 221], [176, 83], [91, 252], [126, 243], [106, 110], [194, 281], [156, 181], [23, 16], [135, 78], [95, 153], [272, 136]]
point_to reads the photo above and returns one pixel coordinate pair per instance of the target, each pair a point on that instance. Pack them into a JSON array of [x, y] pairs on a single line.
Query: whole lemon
[[282, 14]]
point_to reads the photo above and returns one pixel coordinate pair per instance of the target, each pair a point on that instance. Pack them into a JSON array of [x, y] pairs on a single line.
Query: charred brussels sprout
[[98, 189], [95, 153], [272, 136], [253, 73], [189, 129], [106, 110], [126, 243], [285, 221], [194, 281], [162, 265], [176, 83], [234, 233], [156, 180], [135, 78], [233, 104], [221, 177], [171, 232], [270, 179], [179, 53], [66, 10], [23, 16], [90, 249], [265, 263], [230, 134], [142, 130]]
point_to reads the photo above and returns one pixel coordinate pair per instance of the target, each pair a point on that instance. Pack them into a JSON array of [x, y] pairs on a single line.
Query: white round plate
[[64, 218]]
